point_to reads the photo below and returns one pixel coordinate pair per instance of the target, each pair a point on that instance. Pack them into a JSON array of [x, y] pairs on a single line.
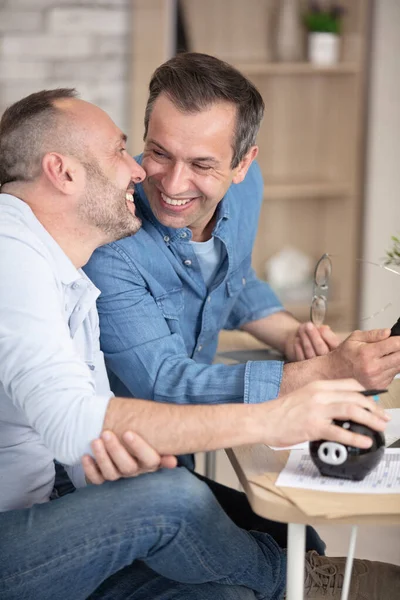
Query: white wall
[[382, 215], [67, 43]]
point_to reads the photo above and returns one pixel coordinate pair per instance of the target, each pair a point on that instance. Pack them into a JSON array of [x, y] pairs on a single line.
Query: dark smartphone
[[395, 444], [396, 328]]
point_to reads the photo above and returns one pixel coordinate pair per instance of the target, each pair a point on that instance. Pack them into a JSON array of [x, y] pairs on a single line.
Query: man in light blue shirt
[[67, 187], [168, 291]]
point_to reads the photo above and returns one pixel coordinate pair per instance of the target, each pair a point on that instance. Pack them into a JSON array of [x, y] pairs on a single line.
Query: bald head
[[33, 126]]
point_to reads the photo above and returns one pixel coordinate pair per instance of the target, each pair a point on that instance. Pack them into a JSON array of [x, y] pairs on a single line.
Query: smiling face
[[106, 201], [187, 158]]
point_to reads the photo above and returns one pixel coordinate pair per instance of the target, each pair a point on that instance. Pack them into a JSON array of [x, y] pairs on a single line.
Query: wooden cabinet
[[311, 141]]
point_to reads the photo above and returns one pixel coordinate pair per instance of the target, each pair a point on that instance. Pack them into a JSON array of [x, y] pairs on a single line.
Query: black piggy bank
[[347, 462]]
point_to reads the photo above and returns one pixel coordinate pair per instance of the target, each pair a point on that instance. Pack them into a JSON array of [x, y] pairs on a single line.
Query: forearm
[[273, 330], [172, 429], [298, 374]]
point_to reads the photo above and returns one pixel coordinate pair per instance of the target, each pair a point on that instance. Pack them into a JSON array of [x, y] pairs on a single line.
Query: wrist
[[262, 425]]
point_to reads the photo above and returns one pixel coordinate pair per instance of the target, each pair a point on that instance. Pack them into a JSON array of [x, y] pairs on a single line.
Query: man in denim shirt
[[167, 292], [67, 186]]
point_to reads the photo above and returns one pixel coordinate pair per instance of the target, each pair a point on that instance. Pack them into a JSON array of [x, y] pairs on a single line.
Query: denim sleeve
[[151, 360], [256, 300]]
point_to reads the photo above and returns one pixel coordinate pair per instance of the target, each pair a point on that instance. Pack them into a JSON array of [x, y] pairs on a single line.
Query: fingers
[[334, 433], [112, 459], [374, 335], [373, 417], [91, 470], [390, 345], [311, 340], [329, 337], [147, 458], [168, 462], [298, 350]]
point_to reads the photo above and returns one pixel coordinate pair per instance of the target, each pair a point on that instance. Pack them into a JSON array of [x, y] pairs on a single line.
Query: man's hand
[[307, 414], [309, 341], [371, 357], [114, 460]]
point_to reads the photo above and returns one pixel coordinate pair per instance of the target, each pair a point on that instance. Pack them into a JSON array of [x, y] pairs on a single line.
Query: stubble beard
[[103, 206]]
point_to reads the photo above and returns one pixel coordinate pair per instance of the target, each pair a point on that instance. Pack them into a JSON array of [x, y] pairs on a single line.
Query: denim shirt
[[159, 323]]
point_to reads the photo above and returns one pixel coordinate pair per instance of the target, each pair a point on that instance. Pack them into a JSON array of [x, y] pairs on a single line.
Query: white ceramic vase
[[323, 49]]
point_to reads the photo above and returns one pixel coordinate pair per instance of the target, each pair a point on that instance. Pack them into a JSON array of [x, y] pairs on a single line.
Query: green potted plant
[[393, 255], [323, 23]]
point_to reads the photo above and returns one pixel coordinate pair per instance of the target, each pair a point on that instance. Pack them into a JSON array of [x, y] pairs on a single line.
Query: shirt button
[[209, 299], [199, 348], [75, 286], [91, 367], [183, 234], [187, 262], [166, 238], [244, 280]]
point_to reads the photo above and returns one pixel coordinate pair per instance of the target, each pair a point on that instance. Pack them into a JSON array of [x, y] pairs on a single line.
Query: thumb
[[369, 337]]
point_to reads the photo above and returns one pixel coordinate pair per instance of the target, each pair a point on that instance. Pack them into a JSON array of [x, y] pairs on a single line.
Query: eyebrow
[[208, 159], [122, 138]]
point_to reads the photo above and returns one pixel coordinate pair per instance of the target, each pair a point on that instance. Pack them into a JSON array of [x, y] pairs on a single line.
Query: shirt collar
[[67, 272]]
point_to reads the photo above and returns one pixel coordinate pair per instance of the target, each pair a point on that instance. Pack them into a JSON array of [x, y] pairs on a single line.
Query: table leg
[[210, 470], [295, 561], [349, 564]]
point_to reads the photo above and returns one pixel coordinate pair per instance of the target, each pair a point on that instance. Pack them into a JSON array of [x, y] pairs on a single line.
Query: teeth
[[129, 197], [173, 202]]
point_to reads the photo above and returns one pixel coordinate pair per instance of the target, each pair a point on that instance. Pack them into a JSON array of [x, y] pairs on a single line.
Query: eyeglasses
[[322, 274], [319, 302]]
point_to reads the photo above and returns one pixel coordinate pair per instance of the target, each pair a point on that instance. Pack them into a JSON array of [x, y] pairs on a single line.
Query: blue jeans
[[159, 536]]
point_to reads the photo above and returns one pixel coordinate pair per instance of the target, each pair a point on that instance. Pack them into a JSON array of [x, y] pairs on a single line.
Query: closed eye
[[158, 153], [202, 167]]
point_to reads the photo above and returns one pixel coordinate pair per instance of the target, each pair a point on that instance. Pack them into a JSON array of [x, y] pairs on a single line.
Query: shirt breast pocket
[[235, 284], [237, 280], [171, 304]]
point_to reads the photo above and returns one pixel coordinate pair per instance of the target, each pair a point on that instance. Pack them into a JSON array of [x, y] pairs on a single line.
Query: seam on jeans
[[95, 543], [204, 558]]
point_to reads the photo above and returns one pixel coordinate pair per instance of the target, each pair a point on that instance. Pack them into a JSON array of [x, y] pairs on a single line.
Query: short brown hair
[[24, 127], [194, 81]]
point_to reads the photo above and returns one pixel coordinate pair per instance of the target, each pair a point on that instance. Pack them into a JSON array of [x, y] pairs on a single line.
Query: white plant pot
[[323, 48]]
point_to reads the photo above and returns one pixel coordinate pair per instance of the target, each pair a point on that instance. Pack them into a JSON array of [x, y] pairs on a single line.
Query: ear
[[61, 171], [241, 170]]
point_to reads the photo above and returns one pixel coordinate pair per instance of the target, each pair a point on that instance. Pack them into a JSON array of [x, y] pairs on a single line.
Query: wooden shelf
[[293, 191], [300, 68]]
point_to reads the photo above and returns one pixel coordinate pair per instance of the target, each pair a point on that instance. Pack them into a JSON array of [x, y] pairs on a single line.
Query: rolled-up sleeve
[[40, 369]]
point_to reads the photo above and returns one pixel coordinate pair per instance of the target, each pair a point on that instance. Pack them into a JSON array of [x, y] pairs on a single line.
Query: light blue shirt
[[54, 389], [210, 256]]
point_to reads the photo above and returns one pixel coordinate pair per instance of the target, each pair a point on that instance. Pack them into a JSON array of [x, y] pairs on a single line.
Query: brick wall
[[67, 43]]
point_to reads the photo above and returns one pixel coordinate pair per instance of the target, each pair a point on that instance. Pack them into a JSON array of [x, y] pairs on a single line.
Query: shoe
[[369, 580]]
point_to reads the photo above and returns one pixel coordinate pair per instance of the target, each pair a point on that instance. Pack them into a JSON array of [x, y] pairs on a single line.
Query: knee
[[182, 486]]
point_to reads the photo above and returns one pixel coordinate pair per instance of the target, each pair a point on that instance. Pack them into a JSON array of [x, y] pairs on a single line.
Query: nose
[[175, 179], [137, 172]]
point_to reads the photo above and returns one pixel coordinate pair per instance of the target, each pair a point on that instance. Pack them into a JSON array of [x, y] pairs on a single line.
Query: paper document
[[300, 472], [392, 431], [301, 446]]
